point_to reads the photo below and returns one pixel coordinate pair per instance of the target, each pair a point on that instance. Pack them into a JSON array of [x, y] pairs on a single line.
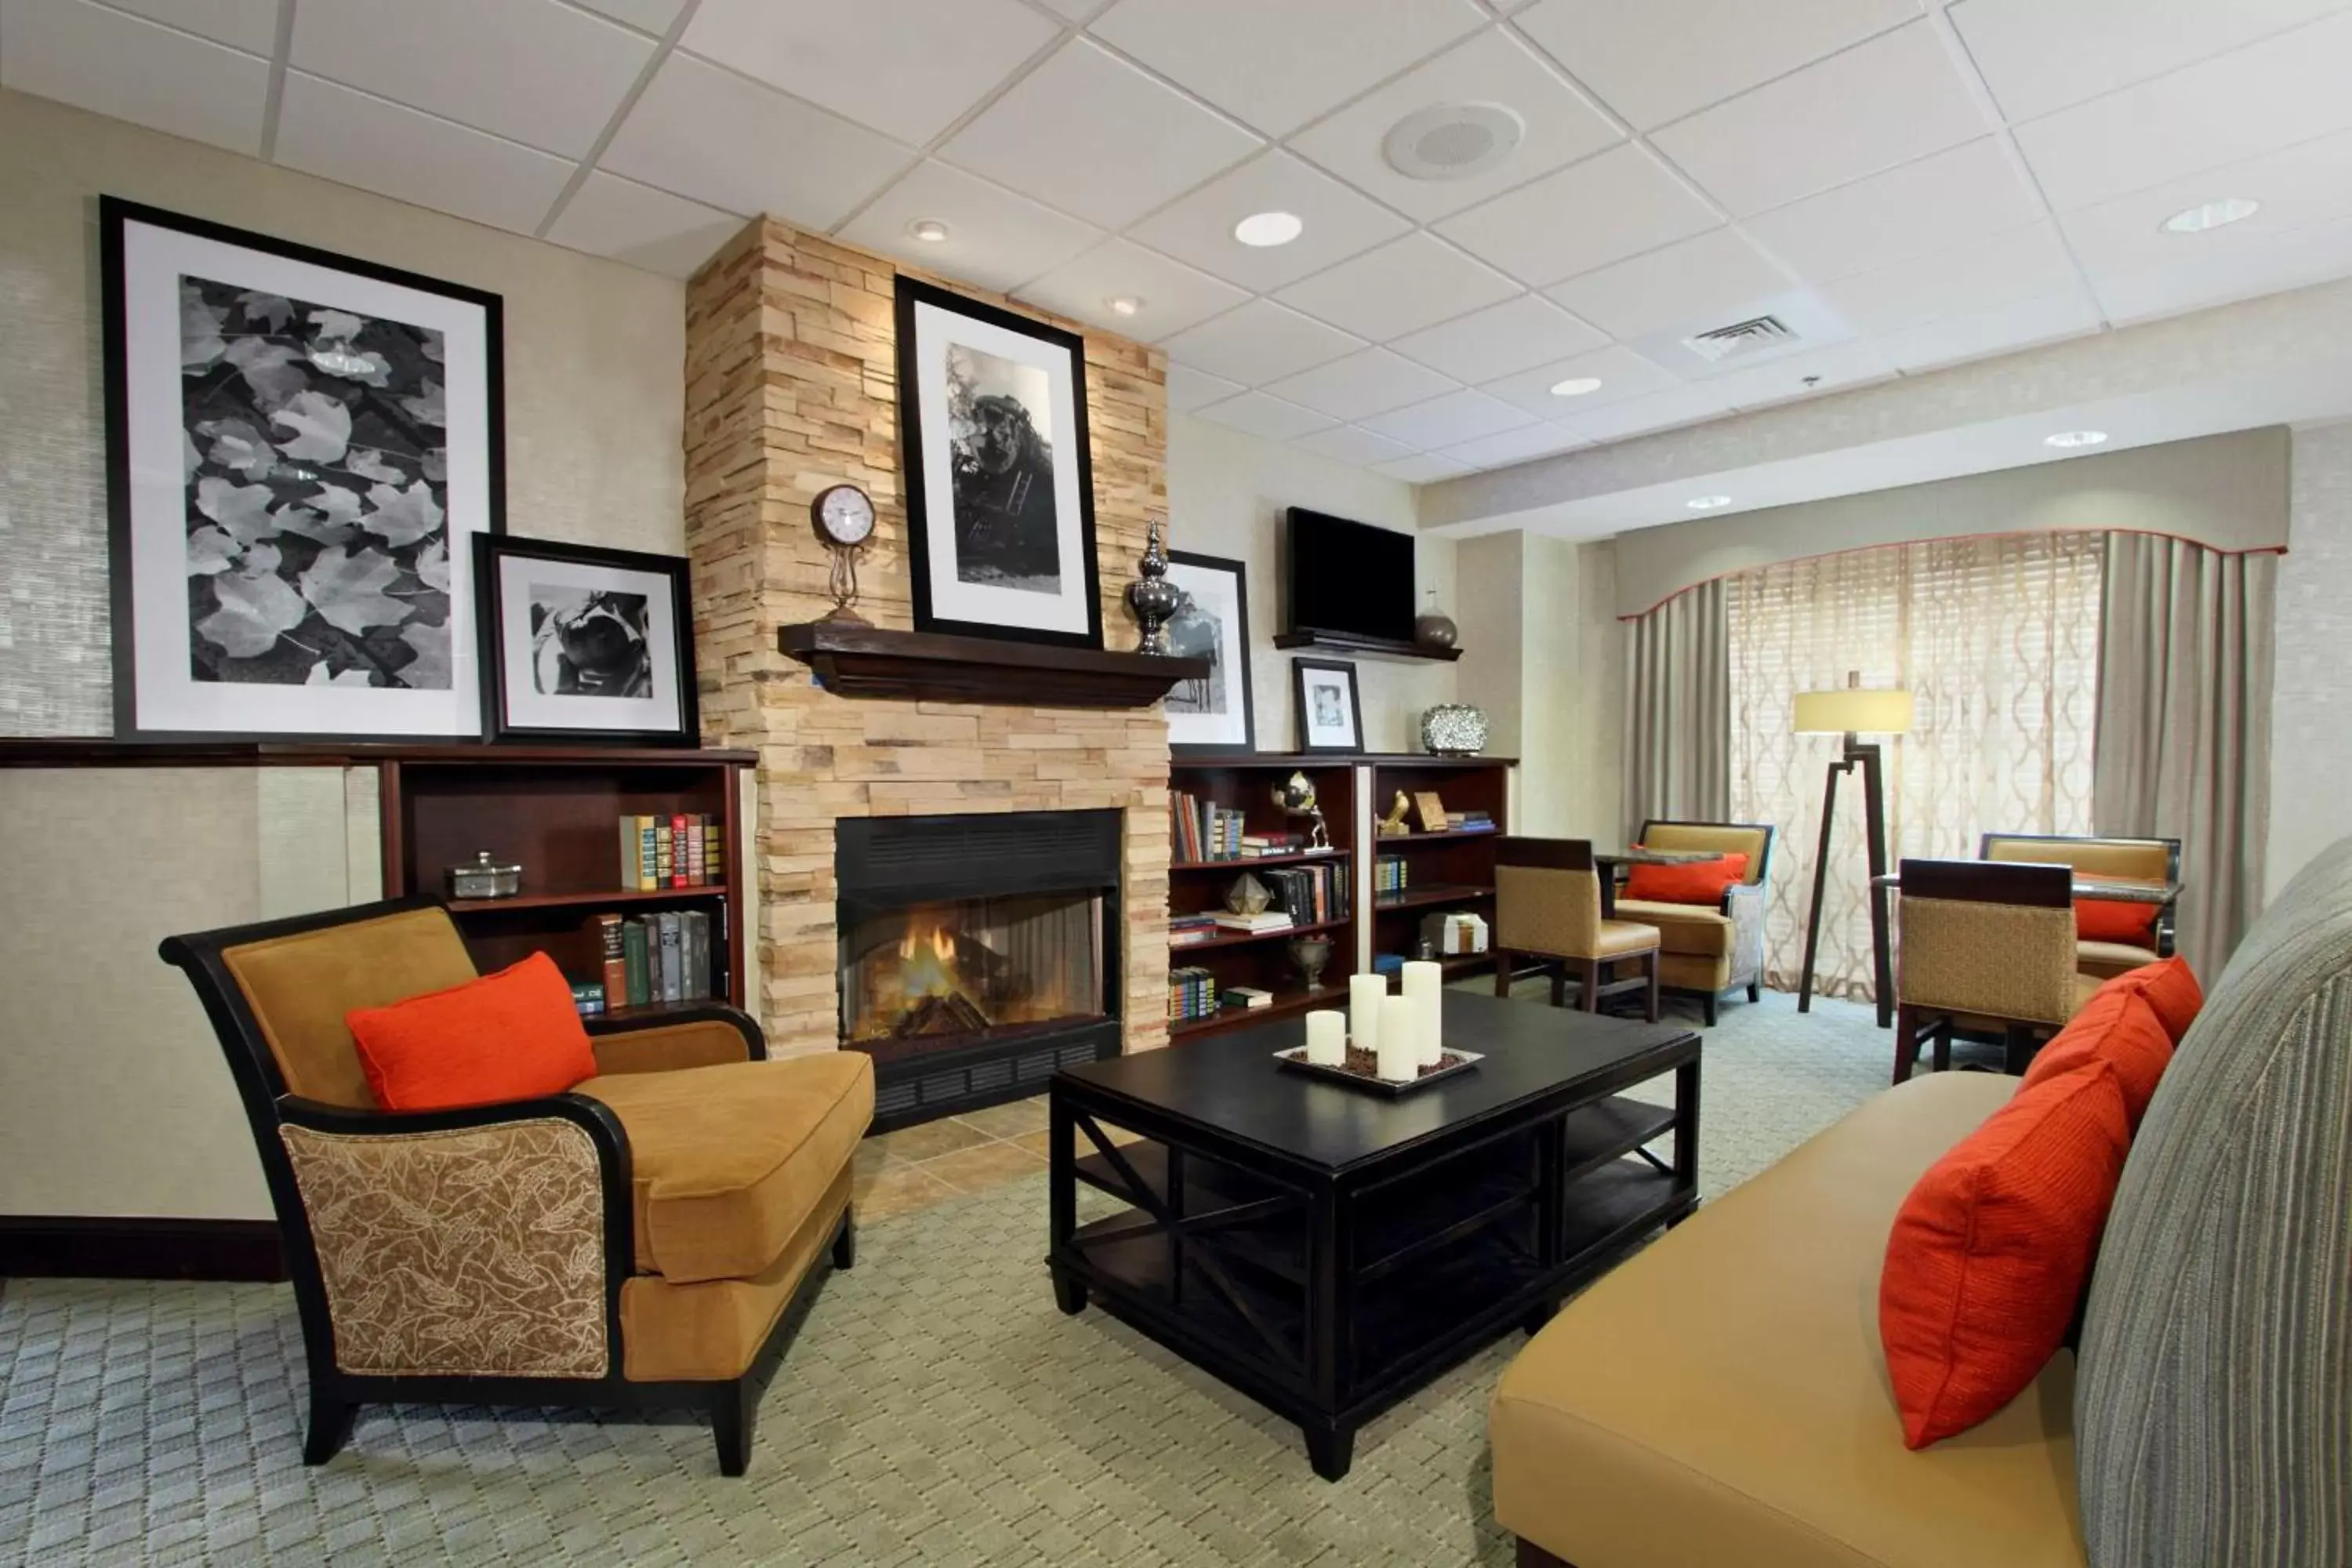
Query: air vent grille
[[1750, 336]]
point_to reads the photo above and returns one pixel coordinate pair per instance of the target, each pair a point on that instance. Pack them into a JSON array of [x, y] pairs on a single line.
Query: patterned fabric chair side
[[1982, 942]]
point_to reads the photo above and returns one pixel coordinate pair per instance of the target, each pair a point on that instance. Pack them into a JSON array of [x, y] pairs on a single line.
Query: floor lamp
[[1853, 713]]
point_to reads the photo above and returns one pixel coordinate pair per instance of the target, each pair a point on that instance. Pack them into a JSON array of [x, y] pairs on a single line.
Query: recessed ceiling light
[[1268, 228], [1706, 504], [2212, 214], [1576, 386], [2067, 439], [1125, 304], [929, 230]]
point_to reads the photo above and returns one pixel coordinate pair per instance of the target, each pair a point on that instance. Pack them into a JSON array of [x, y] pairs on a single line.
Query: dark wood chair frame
[[336, 1395], [1592, 989], [2164, 936], [1759, 889], [2026, 882]]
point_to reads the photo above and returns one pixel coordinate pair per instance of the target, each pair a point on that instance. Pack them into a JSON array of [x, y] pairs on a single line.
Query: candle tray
[[1358, 1074]]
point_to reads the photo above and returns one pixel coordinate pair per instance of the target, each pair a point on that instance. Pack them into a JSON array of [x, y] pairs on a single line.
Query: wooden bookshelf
[[556, 812], [1446, 871]]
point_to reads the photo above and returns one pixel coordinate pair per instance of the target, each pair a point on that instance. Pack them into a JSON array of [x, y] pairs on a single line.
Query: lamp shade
[[1850, 710]]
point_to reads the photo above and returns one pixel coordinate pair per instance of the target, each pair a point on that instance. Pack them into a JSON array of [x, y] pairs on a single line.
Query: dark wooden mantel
[[868, 661]]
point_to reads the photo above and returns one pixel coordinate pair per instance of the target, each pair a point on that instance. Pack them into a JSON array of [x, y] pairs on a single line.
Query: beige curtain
[[2184, 739], [1677, 711], [1998, 639]]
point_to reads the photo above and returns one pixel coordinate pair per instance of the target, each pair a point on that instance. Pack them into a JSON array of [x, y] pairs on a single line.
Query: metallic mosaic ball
[[1454, 730]]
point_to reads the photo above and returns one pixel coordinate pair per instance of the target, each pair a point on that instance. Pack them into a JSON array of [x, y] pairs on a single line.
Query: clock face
[[844, 515]]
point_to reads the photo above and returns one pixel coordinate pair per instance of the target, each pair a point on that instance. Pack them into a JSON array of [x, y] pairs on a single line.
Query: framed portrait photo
[[1330, 713], [581, 643], [300, 450], [1000, 486], [1211, 622]]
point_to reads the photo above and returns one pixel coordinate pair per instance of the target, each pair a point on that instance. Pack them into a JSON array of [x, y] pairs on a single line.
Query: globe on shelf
[[1296, 796]]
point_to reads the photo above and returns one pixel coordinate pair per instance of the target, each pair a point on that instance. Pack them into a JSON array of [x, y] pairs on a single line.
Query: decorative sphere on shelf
[[1454, 730]]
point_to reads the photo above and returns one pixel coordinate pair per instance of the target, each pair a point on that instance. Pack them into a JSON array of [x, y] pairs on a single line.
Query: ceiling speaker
[[1452, 140]]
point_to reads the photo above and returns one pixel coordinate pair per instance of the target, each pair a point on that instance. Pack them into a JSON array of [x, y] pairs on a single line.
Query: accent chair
[[632, 1244], [1985, 948], [1547, 907], [1704, 952], [2151, 860]]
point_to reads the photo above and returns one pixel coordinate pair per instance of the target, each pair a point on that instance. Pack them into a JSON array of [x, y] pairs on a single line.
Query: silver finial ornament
[[1152, 598]]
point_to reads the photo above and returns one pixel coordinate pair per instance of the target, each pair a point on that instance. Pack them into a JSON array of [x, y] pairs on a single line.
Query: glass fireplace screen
[[924, 974]]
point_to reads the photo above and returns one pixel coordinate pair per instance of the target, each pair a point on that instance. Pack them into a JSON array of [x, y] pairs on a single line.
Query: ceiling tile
[[247, 24], [1660, 59], [1372, 382], [909, 69], [711, 135], [1896, 98], [2065, 312], [1271, 417], [1608, 208], [1704, 278], [1345, 443], [1981, 275], [533, 71], [1279, 65], [1779, 381], [1090, 134], [1422, 468], [609, 216], [1189, 389], [2291, 261], [111, 64], [647, 15], [2042, 55], [995, 238], [1639, 415], [333, 131], [2217, 113], [2300, 186], [1494, 67], [1261, 342], [1622, 374], [1340, 222], [1500, 339], [1520, 445], [1171, 295], [1408, 284], [1444, 421], [1934, 204]]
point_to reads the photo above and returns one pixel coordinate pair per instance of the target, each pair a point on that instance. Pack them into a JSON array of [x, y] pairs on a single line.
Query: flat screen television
[[1348, 578]]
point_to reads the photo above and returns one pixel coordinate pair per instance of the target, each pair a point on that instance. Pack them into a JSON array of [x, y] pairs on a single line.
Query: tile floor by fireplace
[[898, 1173]]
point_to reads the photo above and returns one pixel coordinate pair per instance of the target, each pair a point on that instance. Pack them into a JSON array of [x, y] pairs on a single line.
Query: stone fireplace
[[791, 387]]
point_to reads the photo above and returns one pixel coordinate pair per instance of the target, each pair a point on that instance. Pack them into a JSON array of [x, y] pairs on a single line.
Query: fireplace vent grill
[[978, 1083]]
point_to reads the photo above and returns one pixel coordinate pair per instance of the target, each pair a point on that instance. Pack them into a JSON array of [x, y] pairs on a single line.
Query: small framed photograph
[[581, 643], [1212, 622], [999, 483], [1330, 713], [301, 447]]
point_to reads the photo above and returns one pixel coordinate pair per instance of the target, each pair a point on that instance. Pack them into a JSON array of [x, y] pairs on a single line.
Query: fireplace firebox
[[977, 954]]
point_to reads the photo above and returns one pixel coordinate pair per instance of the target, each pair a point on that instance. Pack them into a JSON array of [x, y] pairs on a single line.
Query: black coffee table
[[1327, 1252]]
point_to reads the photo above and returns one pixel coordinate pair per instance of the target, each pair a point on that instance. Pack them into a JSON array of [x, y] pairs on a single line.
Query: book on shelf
[[1311, 895], [684, 849], [672, 961], [1269, 919], [1469, 822], [1248, 998], [1192, 993], [1390, 875], [609, 948], [637, 962], [588, 998], [1204, 830], [679, 850]]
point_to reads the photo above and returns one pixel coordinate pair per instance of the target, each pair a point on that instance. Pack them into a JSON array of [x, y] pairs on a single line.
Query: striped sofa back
[[2214, 1403]]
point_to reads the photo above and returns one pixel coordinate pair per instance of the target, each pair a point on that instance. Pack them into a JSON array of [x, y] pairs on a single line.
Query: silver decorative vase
[[1454, 730], [1434, 629], [1308, 954], [1152, 599]]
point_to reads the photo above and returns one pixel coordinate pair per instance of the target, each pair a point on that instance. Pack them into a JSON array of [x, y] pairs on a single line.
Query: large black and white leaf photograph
[[317, 471]]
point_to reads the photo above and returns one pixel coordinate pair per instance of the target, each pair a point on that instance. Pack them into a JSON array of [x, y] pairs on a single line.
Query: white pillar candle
[[1364, 995], [1399, 1052], [1326, 1038], [1424, 983]]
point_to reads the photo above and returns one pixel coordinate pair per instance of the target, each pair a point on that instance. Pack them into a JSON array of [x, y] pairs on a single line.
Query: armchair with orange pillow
[[1709, 915], [485, 1199], [2112, 936]]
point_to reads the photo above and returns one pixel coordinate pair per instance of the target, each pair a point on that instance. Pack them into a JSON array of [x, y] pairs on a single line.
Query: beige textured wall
[[2311, 696], [595, 356], [2230, 492], [1226, 495]]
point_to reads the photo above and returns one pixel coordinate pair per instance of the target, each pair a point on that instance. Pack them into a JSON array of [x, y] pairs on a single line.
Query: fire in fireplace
[[977, 967]]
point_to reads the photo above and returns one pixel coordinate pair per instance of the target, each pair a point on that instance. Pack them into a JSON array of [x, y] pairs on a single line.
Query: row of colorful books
[[1309, 894], [1469, 822], [1204, 830], [1192, 993], [1390, 875], [665, 957], [680, 850]]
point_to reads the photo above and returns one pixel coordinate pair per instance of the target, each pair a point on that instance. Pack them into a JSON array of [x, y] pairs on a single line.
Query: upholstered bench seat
[[1692, 929], [728, 1162]]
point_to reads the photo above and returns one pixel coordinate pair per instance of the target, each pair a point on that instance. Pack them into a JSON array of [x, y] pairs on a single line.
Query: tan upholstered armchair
[[1708, 953], [1547, 907], [2155, 861], [632, 1244], [1986, 948]]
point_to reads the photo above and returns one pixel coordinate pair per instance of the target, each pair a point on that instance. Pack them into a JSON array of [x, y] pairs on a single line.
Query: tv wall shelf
[[1377, 648]]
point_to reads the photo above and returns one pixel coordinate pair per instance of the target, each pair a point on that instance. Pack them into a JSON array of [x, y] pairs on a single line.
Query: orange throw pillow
[[2115, 919], [514, 1035], [1989, 1252], [2170, 988], [2118, 1027], [1697, 882]]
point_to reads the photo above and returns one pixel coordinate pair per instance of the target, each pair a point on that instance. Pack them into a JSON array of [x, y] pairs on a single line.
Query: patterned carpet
[[935, 1409]]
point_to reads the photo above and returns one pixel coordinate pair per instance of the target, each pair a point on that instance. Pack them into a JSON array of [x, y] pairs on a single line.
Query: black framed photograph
[[1214, 713], [1330, 711], [301, 449], [1000, 486], [582, 643]]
